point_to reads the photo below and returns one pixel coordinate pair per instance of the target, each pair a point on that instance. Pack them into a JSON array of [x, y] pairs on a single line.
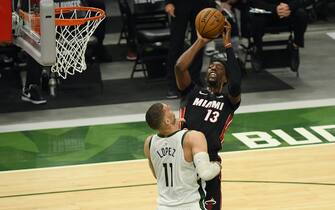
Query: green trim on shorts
[[202, 196]]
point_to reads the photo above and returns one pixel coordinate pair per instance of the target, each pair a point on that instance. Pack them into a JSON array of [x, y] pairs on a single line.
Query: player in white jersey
[[178, 160]]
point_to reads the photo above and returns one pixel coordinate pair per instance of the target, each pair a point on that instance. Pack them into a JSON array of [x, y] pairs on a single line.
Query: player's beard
[[212, 83], [212, 80]]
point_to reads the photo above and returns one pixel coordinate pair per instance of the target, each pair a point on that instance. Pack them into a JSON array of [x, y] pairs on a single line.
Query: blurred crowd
[[250, 20]]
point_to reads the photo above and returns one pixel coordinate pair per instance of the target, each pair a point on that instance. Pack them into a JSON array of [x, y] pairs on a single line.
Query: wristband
[[227, 45]]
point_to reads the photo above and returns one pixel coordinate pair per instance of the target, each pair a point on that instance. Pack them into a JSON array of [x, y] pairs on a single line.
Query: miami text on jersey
[[208, 104]]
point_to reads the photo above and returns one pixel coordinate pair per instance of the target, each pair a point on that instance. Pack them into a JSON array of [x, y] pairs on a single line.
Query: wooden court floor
[[287, 179]]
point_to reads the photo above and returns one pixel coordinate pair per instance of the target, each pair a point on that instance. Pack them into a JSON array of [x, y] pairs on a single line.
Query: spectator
[[227, 9], [31, 91], [127, 8], [100, 32], [282, 12], [183, 13]]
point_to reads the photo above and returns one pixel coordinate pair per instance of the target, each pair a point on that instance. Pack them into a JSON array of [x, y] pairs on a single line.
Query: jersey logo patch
[[202, 93]]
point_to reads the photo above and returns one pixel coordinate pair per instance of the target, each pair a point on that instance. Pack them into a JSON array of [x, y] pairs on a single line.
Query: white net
[[71, 40]]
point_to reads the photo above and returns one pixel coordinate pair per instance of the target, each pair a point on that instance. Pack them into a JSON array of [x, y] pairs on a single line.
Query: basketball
[[210, 23]]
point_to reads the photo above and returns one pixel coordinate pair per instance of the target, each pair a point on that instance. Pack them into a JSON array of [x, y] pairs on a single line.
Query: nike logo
[[28, 95], [201, 93]]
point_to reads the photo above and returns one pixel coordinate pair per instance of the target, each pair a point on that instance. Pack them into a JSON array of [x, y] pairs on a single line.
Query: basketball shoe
[[32, 94]]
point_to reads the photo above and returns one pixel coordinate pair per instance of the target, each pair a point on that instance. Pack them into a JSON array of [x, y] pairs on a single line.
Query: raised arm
[[183, 77], [206, 170], [147, 154], [233, 69]]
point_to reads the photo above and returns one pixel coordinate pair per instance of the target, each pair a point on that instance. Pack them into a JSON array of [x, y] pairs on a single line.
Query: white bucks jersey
[[176, 178]]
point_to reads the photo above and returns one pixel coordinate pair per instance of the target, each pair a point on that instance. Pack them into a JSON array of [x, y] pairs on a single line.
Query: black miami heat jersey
[[208, 113]]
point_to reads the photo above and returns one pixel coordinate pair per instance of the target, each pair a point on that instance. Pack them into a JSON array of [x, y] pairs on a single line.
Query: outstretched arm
[[206, 170], [147, 154], [234, 85], [183, 77]]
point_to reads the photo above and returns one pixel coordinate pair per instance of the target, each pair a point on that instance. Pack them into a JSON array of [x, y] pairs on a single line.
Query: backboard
[[55, 33], [34, 27]]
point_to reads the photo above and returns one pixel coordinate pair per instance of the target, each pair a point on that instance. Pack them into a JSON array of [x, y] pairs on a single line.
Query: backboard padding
[[6, 21]]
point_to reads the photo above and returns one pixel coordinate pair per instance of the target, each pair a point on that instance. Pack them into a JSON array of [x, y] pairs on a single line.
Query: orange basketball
[[210, 23]]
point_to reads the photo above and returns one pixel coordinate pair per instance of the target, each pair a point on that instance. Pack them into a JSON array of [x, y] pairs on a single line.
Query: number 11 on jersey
[[166, 171]]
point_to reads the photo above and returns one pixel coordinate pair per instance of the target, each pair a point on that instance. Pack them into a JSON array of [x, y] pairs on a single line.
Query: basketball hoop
[[74, 27]]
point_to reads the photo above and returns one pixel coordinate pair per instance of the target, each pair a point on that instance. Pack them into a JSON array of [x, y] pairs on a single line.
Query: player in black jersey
[[210, 109]]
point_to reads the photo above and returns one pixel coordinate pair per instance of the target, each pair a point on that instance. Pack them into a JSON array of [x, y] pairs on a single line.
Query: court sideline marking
[[141, 160], [331, 34], [153, 184], [141, 117]]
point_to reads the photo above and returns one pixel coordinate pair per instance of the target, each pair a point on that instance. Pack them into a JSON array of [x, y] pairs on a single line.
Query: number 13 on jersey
[[212, 116]]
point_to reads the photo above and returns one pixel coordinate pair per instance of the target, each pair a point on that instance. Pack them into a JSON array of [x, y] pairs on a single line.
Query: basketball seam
[[207, 22], [198, 23], [212, 29], [202, 29]]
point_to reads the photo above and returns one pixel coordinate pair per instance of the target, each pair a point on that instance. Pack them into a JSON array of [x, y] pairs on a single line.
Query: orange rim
[[67, 22], [78, 21]]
